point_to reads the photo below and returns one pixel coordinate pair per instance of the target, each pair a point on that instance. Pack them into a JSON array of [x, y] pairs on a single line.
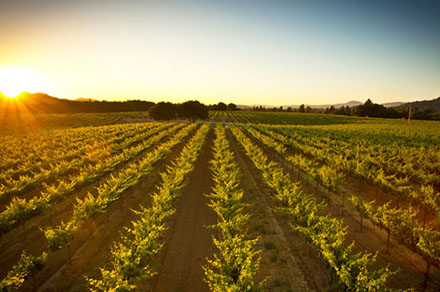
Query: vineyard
[[249, 201]]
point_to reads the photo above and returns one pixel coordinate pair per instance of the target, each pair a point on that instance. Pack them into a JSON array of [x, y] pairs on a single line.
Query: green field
[[247, 201]]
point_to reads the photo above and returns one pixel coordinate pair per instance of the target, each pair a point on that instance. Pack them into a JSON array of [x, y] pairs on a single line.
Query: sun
[[14, 81]]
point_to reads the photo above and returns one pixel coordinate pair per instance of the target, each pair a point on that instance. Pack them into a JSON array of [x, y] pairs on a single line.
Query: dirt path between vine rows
[[287, 263], [188, 241]]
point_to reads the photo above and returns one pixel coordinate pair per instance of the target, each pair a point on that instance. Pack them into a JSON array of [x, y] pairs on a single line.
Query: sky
[[245, 52]]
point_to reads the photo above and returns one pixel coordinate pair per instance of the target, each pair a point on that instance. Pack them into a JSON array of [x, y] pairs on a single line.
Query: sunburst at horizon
[[14, 80]]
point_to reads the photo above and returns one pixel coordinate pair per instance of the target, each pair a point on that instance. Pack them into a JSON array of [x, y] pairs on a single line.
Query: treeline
[[221, 106], [368, 109], [41, 103], [190, 110]]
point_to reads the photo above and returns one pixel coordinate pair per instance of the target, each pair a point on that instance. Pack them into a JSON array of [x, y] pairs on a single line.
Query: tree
[[232, 107], [332, 110], [163, 111], [342, 111], [426, 114], [370, 109], [302, 109], [221, 106], [193, 110]]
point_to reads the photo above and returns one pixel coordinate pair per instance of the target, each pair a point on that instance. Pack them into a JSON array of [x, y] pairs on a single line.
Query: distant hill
[[322, 106], [337, 105], [44, 103], [392, 104], [425, 104], [435, 104], [41, 103]]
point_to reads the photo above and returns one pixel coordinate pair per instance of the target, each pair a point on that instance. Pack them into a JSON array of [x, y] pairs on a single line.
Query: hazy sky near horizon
[[247, 52]]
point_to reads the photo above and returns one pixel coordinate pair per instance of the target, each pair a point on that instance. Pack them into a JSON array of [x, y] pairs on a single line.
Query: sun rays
[[14, 80]]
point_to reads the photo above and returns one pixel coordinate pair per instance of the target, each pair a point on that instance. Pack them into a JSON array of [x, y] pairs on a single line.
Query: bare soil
[[188, 240]]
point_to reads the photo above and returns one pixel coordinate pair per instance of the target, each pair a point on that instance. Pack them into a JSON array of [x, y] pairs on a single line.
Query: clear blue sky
[[247, 52]]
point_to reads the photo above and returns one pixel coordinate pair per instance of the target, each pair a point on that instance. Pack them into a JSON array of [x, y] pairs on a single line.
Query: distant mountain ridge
[[425, 104], [44, 103], [336, 105], [393, 104], [351, 103]]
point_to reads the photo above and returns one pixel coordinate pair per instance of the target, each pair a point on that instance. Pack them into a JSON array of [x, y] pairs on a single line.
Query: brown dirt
[[188, 241]]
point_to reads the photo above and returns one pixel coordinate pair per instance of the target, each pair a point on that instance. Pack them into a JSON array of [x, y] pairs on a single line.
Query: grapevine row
[[234, 267], [324, 233], [26, 183], [401, 223], [61, 236], [27, 266], [398, 222], [323, 174], [423, 196], [20, 210], [45, 149], [131, 258], [111, 190]]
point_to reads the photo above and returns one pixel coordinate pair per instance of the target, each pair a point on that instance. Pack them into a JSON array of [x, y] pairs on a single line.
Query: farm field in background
[[244, 201], [29, 122]]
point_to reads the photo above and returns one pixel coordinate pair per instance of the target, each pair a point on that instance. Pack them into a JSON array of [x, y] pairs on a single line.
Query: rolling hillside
[[41, 103]]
